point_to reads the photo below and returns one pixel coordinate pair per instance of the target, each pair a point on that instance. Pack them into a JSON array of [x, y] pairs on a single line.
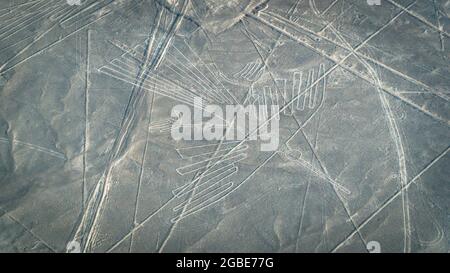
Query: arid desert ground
[[88, 161]]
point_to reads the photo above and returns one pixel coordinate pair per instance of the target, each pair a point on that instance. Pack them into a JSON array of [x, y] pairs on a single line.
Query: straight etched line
[[29, 230], [86, 113], [141, 172], [392, 198], [420, 18]]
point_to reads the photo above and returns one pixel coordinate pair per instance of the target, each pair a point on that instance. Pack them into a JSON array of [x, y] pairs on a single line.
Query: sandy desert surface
[[88, 162]]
